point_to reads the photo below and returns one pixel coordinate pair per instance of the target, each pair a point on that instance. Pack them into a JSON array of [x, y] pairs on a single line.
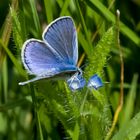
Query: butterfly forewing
[[61, 36]]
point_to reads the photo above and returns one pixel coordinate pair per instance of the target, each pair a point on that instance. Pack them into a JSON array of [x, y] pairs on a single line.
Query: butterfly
[[55, 56]]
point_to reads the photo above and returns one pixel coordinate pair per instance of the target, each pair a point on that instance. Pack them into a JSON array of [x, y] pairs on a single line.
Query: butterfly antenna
[[83, 66]]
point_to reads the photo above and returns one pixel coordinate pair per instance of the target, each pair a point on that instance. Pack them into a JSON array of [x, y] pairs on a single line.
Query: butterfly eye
[[95, 82]]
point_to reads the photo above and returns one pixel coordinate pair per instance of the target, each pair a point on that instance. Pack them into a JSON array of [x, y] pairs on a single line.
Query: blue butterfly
[[56, 56]]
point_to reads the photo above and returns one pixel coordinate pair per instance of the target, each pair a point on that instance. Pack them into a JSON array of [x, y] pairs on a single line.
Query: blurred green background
[[55, 112]]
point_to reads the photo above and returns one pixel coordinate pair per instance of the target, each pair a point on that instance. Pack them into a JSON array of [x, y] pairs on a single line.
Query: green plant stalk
[[120, 105], [101, 99], [76, 132], [83, 102], [17, 31], [5, 79], [103, 11], [13, 59], [93, 36], [84, 27], [81, 59], [130, 100], [35, 17], [48, 10], [98, 59], [39, 126], [64, 8], [6, 29], [14, 104], [83, 42], [23, 21], [33, 91], [130, 130]]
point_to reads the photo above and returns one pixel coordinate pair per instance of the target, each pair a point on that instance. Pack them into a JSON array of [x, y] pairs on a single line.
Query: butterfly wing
[[61, 36], [39, 60]]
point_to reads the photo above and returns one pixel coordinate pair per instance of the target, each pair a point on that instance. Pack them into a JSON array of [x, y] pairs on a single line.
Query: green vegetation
[[48, 110]]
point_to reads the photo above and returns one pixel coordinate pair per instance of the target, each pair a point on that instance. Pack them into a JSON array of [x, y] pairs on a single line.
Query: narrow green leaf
[[130, 130], [3, 122], [13, 59], [48, 9], [37, 117], [100, 97], [60, 2], [43, 116], [95, 129], [75, 135], [83, 25], [35, 17], [5, 79], [84, 43], [64, 8], [39, 126], [98, 57], [14, 104], [103, 11], [17, 29], [5, 31], [130, 101]]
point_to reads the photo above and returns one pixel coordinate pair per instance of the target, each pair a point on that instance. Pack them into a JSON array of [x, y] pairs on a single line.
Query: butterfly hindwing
[[39, 60]]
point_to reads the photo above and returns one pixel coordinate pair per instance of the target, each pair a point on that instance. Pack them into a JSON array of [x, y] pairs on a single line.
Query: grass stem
[[120, 105]]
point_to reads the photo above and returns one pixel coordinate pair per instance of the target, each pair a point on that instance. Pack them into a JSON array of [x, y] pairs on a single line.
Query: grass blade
[[48, 9], [130, 130], [84, 25], [64, 8], [13, 59], [103, 11], [35, 17], [130, 100]]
